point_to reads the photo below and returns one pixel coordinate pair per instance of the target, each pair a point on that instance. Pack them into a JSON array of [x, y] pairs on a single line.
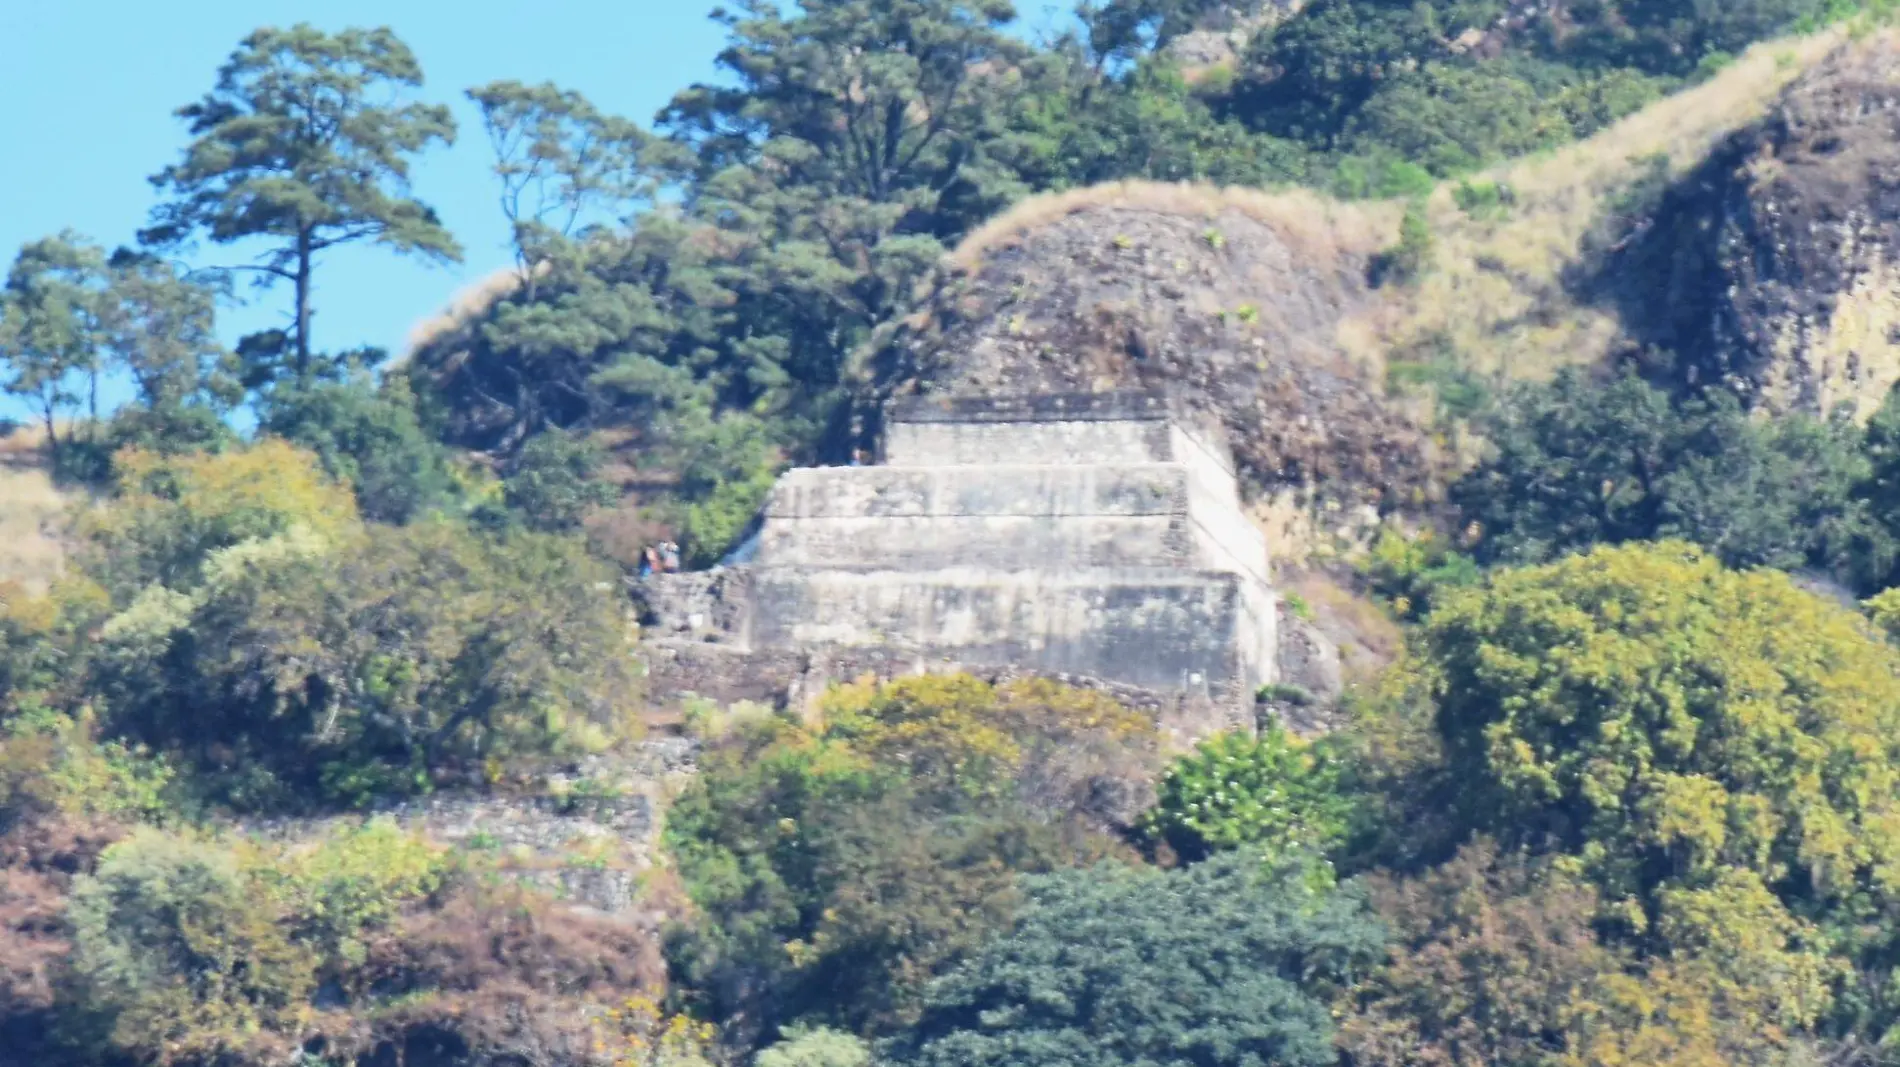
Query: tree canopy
[[297, 147], [1227, 962]]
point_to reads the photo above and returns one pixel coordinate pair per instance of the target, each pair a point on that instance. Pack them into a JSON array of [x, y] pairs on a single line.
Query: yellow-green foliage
[[53, 763], [1681, 1012], [639, 1032], [185, 946], [1644, 702], [1719, 751], [170, 512], [175, 948], [838, 867], [1495, 960], [352, 881], [1884, 610], [959, 730]]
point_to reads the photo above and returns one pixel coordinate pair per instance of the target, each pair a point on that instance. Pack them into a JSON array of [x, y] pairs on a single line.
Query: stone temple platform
[[1095, 536]]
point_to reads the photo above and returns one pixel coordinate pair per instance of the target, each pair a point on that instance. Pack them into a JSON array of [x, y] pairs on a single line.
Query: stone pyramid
[[1097, 536]]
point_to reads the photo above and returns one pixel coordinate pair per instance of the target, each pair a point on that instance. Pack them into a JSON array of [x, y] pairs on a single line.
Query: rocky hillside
[[1221, 34], [1770, 266], [1744, 223], [1236, 297]]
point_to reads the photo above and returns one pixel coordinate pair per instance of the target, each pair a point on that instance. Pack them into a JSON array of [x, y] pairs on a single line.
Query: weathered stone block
[[1160, 628]]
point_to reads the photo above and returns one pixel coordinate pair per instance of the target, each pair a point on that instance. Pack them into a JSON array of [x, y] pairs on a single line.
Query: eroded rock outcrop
[[1772, 267], [1233, 301], [1220, 37]]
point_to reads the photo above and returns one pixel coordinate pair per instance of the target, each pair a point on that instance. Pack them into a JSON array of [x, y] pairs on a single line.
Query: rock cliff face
[[1772, 267], [1233, 302], [1222, 35]]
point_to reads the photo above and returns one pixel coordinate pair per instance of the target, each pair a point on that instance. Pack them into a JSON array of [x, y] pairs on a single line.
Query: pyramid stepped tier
[[1156, 628], [1013, 517], [1096, 535], [1112, 428]]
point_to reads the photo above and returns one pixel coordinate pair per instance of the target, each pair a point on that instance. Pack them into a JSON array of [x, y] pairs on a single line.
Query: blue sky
[[89, 87]]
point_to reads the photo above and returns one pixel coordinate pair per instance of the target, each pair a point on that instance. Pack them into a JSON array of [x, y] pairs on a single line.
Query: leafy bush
[[727, 466], [1489, 958], [1568, 722], [642, 1034], [1059, 750], [351, 882], [1496, 960], [815, 1047], [51, 763], [369, 438], [1454, 118], [1414, 573], [554, 483], [1226, 962], [1484, 200], [1409, 260], [300, 669], [1579, 463], [838, 871], [179, 953], [169, 514], [1271, 794]]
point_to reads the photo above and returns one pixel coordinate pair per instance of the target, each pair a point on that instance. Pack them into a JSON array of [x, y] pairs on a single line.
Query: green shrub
[[815, 1047], [1273, 794], [1579, 462], [554, 482], [1410, 259], [1227, 963], [369, 437], [298, 669], [1484, 200], [1434, 364], [1413, 573], [351, 882], [839, 870], [53, 763], [177, 948]]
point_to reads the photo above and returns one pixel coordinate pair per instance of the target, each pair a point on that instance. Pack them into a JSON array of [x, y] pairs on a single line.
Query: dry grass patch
[[32, 513], [1496, 293], [1369, 640], [467, 304], [1311, 224]]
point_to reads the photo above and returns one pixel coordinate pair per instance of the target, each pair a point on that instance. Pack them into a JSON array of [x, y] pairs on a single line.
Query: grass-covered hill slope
[[32, 509]]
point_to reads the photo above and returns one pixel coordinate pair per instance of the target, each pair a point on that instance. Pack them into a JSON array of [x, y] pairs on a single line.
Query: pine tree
[[296, 145]]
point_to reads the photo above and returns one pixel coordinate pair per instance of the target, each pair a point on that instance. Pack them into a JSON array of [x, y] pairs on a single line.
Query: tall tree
[[1121, 30], [564, 166], [161, 328], [50, 326], [305, 142], [851, 139]]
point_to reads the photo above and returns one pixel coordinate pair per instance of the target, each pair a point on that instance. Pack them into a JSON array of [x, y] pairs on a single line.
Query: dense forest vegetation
[[1630, 795]]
